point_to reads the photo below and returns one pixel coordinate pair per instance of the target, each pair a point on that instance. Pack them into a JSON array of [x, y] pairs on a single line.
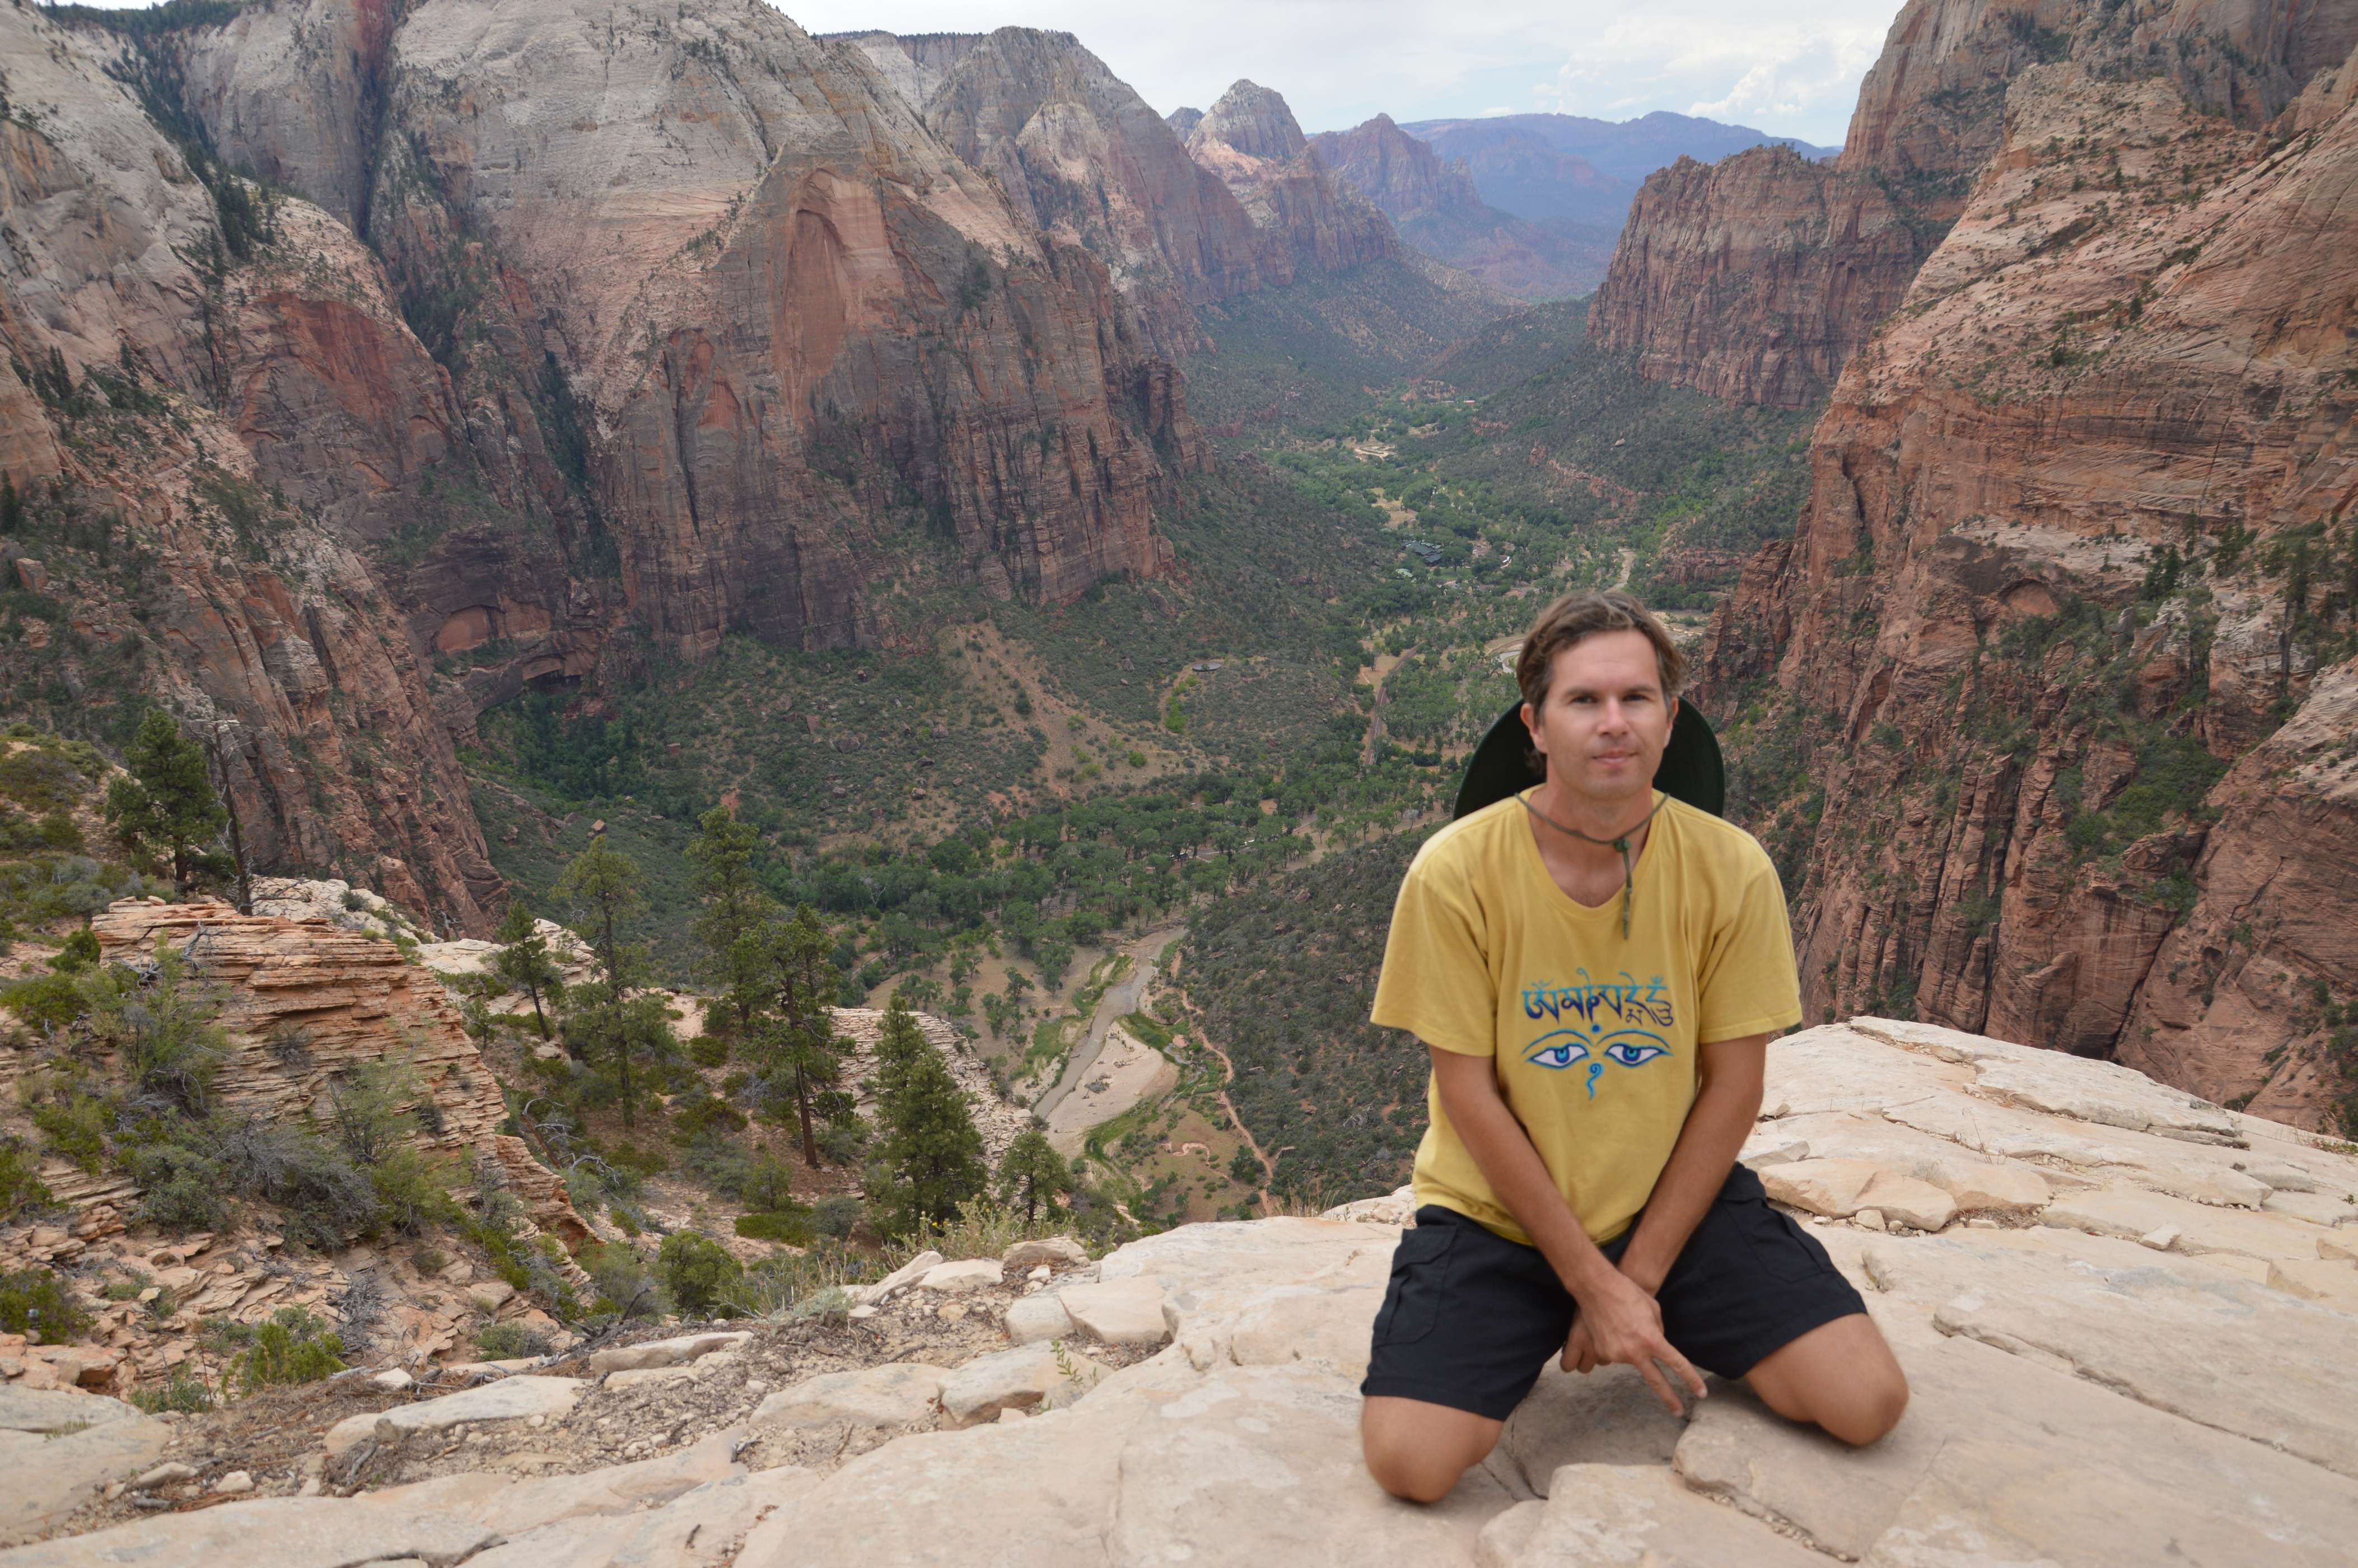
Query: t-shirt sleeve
[[1749, 983], [1436, 979]]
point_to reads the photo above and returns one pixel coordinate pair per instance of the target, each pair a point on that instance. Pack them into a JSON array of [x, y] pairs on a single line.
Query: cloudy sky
[[1787, 66]]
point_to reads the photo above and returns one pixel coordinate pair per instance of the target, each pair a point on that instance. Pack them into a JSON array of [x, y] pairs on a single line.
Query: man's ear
[[1532, 727]]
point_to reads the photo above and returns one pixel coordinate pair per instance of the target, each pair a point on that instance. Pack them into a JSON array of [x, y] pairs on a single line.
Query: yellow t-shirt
[[1597, 1037]]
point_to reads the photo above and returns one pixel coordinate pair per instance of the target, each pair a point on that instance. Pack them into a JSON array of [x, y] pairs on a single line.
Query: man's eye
[[1630, 1054]]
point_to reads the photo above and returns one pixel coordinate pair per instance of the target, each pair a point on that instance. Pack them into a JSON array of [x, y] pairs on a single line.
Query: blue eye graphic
[[1567, 1049], [1632, 1053]]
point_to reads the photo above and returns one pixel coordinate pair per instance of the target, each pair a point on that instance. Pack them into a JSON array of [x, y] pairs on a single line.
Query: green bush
[[707, 1115], [44, 1002], [184, 1391], [706, 1052], [835, 1216], [20, 1182], [697, 1271], [76, 1125], [509, 1341], [35, 1302], [626, 1287], [791, 1226], [293, 1347]]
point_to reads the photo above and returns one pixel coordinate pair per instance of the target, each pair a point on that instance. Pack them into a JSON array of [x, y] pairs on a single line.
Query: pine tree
[[167, 806], [1032, 1173], [609, 1023], [898, 1048], [793, 1033], [735, 928], [931, 1150], [524, 962]]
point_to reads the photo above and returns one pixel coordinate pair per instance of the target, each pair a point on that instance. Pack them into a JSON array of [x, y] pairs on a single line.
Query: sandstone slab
[[1634, 1514], [510, 1398], [1119, 1312], [894, 1395], [58, 1449], [899, 1279], [1601, 1419], [2003, 1461], [2229, 1355], [2331, 1282], [270, 1533], [2133, 1213]]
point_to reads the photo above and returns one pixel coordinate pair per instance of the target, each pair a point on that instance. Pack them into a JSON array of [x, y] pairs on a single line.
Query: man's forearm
[[1721, 1118]]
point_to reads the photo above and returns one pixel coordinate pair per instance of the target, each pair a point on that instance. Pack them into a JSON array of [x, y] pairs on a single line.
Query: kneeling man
[[1595, 968]]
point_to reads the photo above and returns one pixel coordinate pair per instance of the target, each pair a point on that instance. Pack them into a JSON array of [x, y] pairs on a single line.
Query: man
[[1597, 968]]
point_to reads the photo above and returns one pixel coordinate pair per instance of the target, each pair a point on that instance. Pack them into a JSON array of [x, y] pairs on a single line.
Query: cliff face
[[1309, 221], [1756, 278], [1082, 157], [2077, 548], [1436, 208], [194, 506]]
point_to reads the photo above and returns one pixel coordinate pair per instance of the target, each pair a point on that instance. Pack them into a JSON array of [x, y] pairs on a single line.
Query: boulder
[[664, 1352], [1035, 1318], [1056, 1251], [895, 1395], [970, 1274], [1119, 1312], [1025, 1377], [510, 1398], [906, 1274]]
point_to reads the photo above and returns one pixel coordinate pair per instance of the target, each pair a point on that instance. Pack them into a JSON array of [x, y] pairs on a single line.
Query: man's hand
[[1620, 1324]]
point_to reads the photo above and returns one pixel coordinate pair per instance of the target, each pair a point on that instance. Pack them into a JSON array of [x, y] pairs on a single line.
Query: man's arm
[[1726, 1106], [1622, 1321]]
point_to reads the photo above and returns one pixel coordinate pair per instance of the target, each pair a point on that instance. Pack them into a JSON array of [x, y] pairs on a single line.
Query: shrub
[[184, 1391], [293, 1347], [791, 1226], [625, 1286], [697, 1271], [835, 1216], [36, 1303], [75, 1125], [44, 1002], [707, 1115], [20, 1182], [843, 1142], [706, 1052], [509, 1341], [183, 1189]]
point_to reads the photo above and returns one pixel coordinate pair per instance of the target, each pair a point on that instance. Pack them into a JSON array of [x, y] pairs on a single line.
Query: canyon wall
[[2049, 699], [1309, 220], [1755, 278]]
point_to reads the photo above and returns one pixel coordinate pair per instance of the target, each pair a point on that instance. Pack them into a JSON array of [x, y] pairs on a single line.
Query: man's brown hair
[[1584, 613]]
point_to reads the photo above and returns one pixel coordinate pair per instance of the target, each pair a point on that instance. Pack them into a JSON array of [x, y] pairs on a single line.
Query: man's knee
[[1418, 1452], [1870, 1410]]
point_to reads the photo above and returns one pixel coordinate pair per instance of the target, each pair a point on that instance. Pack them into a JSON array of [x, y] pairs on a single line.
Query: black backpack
[[1503, 764]]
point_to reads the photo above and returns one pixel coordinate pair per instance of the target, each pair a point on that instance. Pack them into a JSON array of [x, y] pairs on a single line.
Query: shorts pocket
[[1419, 1276], [1783, 1250]]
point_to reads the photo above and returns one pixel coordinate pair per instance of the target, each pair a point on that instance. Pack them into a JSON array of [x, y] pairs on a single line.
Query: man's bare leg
[[1840, 1375], [1416, 1450]]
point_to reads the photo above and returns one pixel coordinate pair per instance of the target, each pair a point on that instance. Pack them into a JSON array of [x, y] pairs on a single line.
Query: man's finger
[[1654, 1380], [1667, 1354]]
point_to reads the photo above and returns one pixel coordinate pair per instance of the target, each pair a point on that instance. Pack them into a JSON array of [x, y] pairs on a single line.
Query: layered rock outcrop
[[1436, 207], [303, 999], [1756, 278], [2076, 548], [2122, 1313]]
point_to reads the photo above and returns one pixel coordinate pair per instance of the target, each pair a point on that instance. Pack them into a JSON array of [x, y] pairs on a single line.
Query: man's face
[[1606, 722]]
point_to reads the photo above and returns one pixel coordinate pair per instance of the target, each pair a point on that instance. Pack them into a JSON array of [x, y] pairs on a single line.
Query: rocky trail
[[2126, 1316]]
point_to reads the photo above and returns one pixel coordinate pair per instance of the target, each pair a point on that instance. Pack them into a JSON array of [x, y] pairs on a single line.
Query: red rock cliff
[[2056, 669]]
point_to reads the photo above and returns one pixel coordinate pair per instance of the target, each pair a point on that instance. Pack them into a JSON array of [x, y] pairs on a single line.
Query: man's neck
[[1599, 819]]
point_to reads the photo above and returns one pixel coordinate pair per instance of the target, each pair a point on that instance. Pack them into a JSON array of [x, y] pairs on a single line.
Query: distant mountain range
[[1557, 168]]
